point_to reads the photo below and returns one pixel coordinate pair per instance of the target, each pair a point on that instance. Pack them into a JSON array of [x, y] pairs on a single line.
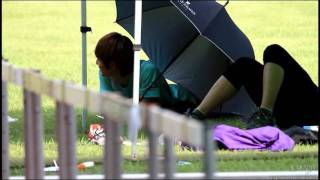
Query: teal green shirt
[[164, 92]]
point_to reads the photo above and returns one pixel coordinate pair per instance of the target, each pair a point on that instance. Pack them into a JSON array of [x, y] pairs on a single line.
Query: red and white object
[[96, 134], [85, 165]]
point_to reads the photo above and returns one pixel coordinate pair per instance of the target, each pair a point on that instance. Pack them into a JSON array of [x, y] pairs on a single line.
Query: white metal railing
[[113, 107]]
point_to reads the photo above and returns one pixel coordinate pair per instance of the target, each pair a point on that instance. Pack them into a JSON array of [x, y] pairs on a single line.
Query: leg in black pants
[[298, 97]]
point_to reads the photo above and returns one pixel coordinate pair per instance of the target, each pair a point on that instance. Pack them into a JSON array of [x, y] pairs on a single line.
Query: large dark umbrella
[[191, 42]]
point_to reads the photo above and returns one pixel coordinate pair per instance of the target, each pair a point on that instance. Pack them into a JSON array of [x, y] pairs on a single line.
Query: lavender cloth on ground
[[263, 138]]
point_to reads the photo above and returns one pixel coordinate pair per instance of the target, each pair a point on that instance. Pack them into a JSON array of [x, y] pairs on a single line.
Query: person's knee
[[276, 54], [273, 47], [238, 71], [272, 52]]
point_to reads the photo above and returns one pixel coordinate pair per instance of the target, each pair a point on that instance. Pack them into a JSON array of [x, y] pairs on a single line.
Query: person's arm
[[152, 95], [151, 101]]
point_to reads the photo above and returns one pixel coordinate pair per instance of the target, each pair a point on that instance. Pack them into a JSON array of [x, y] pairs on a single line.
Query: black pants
[[298, 98]]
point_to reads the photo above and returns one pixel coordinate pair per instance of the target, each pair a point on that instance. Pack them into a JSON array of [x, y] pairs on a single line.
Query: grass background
[[46, 36]]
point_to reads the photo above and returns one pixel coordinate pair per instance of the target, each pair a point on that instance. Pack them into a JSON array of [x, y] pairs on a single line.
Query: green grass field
[[46, 36]]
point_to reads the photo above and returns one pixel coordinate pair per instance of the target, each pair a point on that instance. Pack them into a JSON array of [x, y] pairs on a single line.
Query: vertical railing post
[[108, 150], [5, 133], [117, 160], [112, 149], [208, 151], [66, 136], [33, 130], [153, 164], [169, 163], [71, 142], [61, 134], [37, 134], [28, 138], [84, 56]]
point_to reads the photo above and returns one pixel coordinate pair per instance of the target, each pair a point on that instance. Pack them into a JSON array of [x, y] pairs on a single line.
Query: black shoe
[[302, 136], [188, 147], [196, 114], [262, 117]]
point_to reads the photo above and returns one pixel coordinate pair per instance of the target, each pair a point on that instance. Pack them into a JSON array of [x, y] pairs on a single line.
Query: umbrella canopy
[[192, 42]]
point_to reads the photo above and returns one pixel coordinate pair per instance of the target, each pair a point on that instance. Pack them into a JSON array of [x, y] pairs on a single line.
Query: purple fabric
[[263, 138]]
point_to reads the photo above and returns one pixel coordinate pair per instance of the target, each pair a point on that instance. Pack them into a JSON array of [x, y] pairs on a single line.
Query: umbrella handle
[[225, 4]]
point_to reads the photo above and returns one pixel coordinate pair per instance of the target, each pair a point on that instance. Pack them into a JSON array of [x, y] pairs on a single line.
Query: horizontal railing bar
[[218, 175], [171, 124]]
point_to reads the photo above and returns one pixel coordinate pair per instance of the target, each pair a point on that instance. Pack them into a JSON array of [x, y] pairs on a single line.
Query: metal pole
[[136, 70], [5, 133], [84, 57], [137, 42]]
